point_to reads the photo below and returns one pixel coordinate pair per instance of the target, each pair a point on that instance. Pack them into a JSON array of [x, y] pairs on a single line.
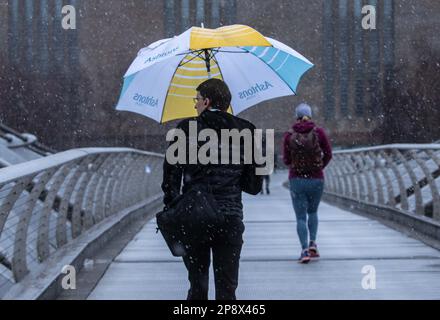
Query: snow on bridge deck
[[405, 268]]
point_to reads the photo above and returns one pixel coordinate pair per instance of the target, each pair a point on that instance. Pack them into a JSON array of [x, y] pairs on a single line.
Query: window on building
[[358, 42], [180, 15], [388, 39], [14, 34], [374, 66], [343, 57], [328, 59], [43, 34]]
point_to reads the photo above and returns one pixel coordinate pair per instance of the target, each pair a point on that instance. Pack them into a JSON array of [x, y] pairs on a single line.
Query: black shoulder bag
[[191, 217]]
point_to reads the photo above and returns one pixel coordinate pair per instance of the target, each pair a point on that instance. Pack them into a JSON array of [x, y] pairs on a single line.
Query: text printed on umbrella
[[252, 91], [143, 100], [161, 55]]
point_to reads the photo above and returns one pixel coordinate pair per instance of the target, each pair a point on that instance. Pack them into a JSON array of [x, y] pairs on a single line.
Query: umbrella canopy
[[161, 82]]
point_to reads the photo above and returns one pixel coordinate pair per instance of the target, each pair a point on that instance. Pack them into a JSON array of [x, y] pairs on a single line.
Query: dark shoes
[[309, 254], [313, 250], [305, 257]]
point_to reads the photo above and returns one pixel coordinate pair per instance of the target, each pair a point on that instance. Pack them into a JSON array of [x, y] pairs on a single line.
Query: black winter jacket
[[228, 197]]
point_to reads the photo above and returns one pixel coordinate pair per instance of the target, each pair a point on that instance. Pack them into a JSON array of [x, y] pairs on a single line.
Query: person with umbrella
[[161, 84], [225, 241]]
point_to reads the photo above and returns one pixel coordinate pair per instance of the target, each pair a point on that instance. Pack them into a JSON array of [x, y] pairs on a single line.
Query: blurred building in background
[[367, 87]]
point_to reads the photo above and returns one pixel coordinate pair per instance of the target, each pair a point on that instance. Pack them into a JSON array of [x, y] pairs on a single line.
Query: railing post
[[379, 187], [114, 206], [390, 191], [436, 197], [43, 228], [339, 185], [359, 163], [89, 219], [343, 168], [19, 259], [367, 171], [403, 194], [415, 183], [354, 177], [100, 193], [134, 174], [117, 196], [77, 219], [61, 232], [430, 179], [108, 193], [155, 185], [331, 178]]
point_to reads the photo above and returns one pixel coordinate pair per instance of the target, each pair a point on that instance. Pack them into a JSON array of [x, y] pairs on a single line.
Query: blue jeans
[[306, 195]]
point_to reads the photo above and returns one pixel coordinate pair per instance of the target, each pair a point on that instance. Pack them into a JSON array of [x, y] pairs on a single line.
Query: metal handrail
[[28, 141], [407, 146], [94, 183], [405, 177]]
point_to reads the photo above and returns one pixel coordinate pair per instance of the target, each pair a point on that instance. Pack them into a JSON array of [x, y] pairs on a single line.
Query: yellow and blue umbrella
[[161, 82]]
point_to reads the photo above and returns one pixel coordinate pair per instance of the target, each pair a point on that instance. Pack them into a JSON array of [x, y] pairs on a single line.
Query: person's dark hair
[[217, 91]]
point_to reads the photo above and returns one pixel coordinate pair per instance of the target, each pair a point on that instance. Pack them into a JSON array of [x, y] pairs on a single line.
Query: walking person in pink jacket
[[307, 151]]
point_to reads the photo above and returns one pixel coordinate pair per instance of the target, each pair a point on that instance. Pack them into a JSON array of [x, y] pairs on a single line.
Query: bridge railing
[[405, 177], [48, 202]]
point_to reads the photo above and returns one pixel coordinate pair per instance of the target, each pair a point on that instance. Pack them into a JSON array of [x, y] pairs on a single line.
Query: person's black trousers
[[267, 179], [226, 247]]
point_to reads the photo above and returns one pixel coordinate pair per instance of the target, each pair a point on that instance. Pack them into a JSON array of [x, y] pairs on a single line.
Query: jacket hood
[[303, 126]]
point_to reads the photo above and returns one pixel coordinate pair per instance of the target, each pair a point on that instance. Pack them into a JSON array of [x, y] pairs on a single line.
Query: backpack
[[305, 152]]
